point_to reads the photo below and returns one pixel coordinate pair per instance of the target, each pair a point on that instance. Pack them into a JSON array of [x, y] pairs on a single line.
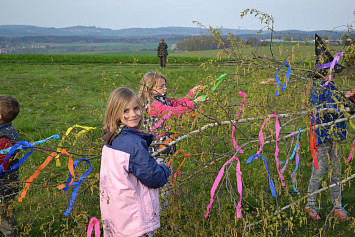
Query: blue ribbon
[[4, 151], [295, 170], [294, 150], [76, 184], [278, 78], [20, 145], [271, 182]]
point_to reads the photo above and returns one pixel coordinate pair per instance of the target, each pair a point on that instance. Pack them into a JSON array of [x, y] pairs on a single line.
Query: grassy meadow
[[59, 91]]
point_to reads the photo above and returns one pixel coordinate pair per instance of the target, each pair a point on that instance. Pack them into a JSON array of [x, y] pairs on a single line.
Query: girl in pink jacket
[[129, 175], [152, 96]]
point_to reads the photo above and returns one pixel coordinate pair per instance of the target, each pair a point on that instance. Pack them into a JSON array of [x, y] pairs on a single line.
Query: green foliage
[[59, 91]]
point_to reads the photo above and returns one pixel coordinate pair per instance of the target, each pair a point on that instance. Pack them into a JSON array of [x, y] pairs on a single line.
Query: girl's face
[[160, 87], [132, 114]]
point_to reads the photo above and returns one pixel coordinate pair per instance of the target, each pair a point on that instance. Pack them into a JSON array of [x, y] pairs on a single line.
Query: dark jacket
[[325, 96], [162, 50], [8, 179]]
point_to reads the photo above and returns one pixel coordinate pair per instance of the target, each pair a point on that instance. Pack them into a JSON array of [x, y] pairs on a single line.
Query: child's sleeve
[[146, 169], [178, 102], [4, 143], [157, 109]]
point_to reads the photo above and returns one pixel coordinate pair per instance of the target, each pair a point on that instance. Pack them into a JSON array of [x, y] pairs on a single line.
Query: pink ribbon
[[91, 226], [236, 115], [218, 179], [165, 117], [335, 60], [277, 130], [351, 149], [238, 173]]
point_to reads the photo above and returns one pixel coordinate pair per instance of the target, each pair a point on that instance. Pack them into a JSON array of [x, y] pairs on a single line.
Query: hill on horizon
[[173, 31]]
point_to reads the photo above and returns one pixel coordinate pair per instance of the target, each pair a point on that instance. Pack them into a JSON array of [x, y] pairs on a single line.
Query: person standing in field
[[325, 94], [9, 109], [129, 175], [162, 52]]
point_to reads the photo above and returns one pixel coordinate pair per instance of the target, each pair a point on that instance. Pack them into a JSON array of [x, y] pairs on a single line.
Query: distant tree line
[[208, 43]]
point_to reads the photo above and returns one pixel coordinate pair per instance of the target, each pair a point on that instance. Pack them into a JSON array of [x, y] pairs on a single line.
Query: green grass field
[[59, 91]]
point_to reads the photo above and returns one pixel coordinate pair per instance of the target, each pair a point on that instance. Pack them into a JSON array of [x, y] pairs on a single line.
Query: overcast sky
[[120, 14]]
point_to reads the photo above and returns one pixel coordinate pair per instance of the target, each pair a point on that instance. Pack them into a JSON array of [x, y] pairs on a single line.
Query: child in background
[[152, 95], [328, 137], [9, 109], [129, 175]]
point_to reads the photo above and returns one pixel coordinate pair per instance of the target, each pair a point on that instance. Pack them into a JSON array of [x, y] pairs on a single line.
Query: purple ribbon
[[325, 66], [335, 61]]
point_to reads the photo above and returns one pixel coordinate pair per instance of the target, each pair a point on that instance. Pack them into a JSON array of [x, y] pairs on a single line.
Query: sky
[[305, 15]]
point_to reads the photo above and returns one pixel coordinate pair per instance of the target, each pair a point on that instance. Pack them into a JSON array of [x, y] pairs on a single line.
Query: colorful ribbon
[[238, 172], [293, 174], [277, 131], [271, 182], [351, 149], [335, 61], [76, 184], [20, 145], [165, 117], [285, 162], [312, 140], [296, 152], [325, 65], [33, 144], [235, 145], [94, 223], [40, 168], [288, 73], [173, 179], [218, 179], [84, 130], [214, 85]]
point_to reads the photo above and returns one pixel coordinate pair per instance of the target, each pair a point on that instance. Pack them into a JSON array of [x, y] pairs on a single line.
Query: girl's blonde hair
[[148, 81], [116, 105]]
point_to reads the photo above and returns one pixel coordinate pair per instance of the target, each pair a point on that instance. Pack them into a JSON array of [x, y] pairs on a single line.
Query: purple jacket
[[129, 182]]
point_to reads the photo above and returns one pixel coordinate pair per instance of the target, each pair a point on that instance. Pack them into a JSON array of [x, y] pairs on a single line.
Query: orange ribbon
[[174, 178], [41, 167], [70, 167]]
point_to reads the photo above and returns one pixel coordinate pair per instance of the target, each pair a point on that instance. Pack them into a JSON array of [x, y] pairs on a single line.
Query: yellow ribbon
[[84, 130]]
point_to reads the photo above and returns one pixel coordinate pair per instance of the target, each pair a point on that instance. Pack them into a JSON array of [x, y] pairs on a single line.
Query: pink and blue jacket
[[129, 182]]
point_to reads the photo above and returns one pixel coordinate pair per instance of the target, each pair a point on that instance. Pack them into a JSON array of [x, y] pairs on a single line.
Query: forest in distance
[[80, 39]]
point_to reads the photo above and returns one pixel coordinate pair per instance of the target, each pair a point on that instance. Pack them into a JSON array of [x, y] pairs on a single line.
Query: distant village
[[7, 49]]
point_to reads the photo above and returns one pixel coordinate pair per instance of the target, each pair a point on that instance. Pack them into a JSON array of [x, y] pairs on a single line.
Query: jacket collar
[[5, 125], [146, 136], [9, 131]]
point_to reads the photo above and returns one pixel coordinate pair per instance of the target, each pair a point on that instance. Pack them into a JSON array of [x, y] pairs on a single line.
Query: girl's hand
[[202, 99], [349, 93], [196, 89]]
